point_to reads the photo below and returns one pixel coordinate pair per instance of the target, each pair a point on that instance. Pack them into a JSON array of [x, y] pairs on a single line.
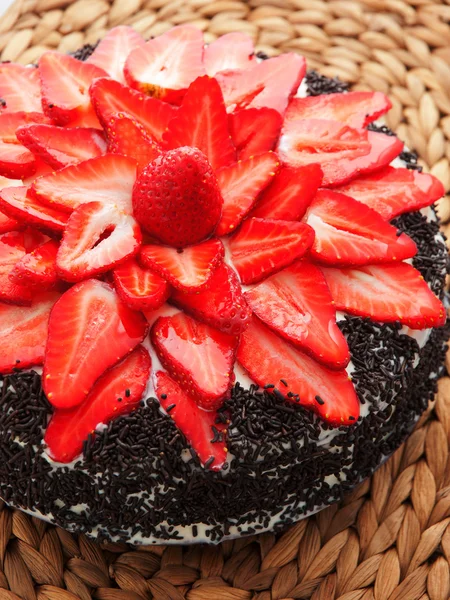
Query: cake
[[222, 284]]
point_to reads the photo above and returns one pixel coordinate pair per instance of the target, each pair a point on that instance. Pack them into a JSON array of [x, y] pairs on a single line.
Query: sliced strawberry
[[110, 98], [392, 192], [33, 238], [195, 424], [42, 168], [139, 288], [16, 161], [341, 151], [96, 239], [230, 51], [197, 356], [386, 293], [59, 146], [271, 360], [19, 89], [11, 251], [296, 303], [240, 185], [129, 138], [254, 130], [221, 305], [90, 329], [15, 203], [202, 122], [116, 393], [23, 330], [271, 83], [112, 51], [289, 194], [65, 85], [107, 179], [264, 246], [166, 65], [38, 267], [188, 269], [10, 122], [356, 109], [350, 233], [7, 224]]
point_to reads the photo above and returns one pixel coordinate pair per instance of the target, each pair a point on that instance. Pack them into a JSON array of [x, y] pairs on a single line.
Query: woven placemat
[[390, 539]]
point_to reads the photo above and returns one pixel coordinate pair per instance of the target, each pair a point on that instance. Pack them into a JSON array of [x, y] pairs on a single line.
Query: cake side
[[266, 459]]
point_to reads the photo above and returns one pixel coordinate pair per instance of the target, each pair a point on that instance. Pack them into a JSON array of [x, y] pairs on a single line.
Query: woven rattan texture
[[389, 540]]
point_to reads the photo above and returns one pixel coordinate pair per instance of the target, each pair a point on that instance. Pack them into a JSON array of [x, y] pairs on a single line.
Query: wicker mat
[[389, 540]]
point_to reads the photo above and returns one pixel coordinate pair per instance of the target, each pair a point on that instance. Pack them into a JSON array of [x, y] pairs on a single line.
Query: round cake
[[222, 288]]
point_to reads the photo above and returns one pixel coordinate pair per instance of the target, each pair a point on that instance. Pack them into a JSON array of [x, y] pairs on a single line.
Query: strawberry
[[129, 138], [221, 305], [386, 293], [10, 122], [90, 330], [110, 98], [264, 246], [65, 85], [7, 224], [11, 251], [113, 49], [296, 303], [38, 267], [116, 393], [341, 151], [16, 161], [59, 146], [270, 84], [230, 51], [189, 269], [197, 356], [392, 192], [350, 233], [19, 89], [240, 185], [254, 130], [356, 109], [33, 238], [97, 238], [176, 197], [195, 424], [202, 122], [166, 65], [289, 194], [17, 204], [139, 288], [106, 179], [270, 360], [24, 332]]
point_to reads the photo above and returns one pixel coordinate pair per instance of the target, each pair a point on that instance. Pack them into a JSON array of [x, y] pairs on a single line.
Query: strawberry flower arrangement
[[169, 209]]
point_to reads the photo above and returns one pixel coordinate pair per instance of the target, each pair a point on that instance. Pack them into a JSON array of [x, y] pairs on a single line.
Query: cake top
[[172, 210]]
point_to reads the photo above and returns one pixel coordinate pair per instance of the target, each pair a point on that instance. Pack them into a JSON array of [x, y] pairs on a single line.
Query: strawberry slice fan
[[165, 199]]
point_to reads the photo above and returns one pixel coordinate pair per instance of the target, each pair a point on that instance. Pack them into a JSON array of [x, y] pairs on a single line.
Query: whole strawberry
[[177, 199]]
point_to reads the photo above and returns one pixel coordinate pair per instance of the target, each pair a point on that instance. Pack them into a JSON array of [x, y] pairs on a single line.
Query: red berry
[[177, 199]]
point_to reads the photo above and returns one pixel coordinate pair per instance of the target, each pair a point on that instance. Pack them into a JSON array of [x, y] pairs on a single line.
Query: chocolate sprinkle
[[139, 475], [317, 84], [84, 52]]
